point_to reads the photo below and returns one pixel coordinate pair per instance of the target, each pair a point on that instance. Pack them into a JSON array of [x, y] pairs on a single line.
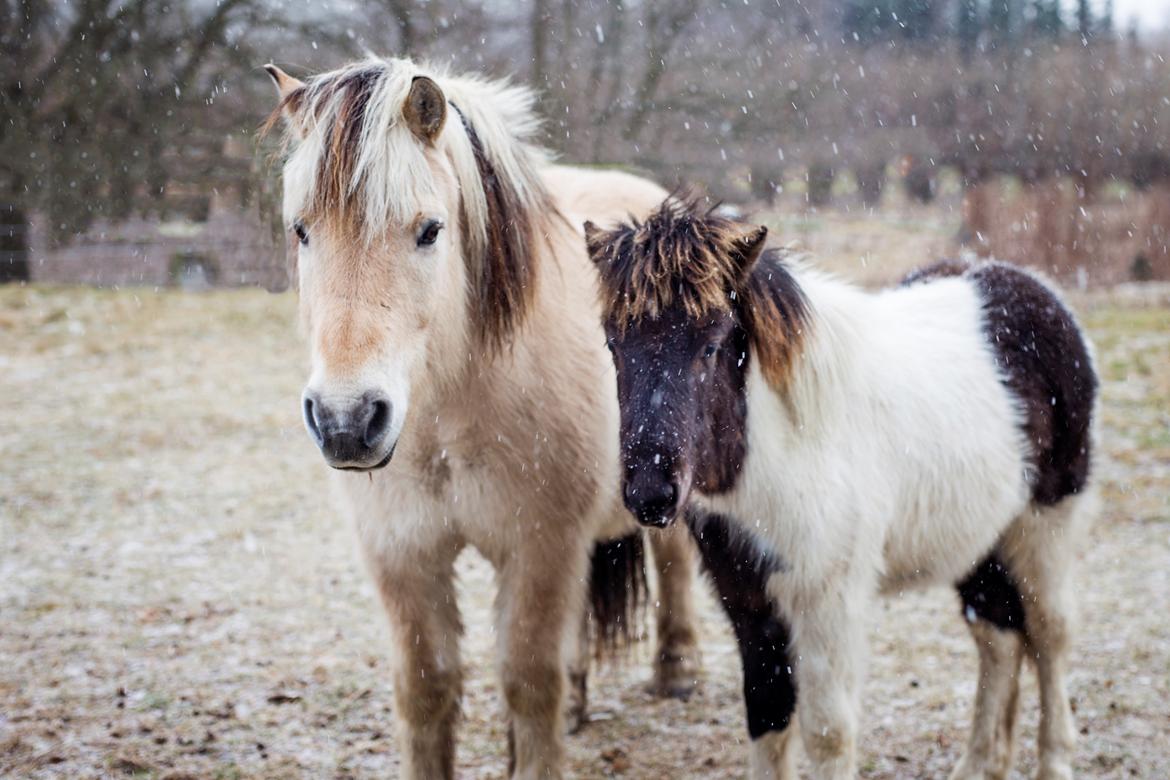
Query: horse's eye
[[302, 232], [430, 232], [609, 345], [711, 350]]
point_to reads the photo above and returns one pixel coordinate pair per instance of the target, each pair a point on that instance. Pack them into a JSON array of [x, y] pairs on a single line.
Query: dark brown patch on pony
[[1047, 368], [505, 279], [1045, 364], [617, 591], [740, 570]]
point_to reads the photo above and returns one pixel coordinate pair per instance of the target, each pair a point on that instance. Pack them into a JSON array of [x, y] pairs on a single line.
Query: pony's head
[[411, 198], [686, 301]]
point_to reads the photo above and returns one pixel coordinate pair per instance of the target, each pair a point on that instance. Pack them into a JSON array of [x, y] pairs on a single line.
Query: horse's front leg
[[829, 633], [541, 595], [578, 647], [419, 595], [677, 663]]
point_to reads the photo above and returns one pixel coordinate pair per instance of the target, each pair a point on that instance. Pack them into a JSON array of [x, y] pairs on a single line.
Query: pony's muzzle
[[653, 499], [351, 433]]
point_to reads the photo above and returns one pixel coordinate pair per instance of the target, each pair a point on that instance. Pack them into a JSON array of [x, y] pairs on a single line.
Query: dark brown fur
[[1047, 367], [1045, 364]]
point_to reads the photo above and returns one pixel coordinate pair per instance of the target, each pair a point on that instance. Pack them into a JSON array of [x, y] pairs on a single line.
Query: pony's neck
[[824, 366]]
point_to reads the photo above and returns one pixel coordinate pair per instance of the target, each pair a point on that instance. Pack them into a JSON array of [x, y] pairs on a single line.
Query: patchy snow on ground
[[178, 600]]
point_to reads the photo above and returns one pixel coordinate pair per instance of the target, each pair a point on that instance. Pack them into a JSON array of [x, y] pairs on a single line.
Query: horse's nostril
[[670, 494], [311, 422], [379, 422]]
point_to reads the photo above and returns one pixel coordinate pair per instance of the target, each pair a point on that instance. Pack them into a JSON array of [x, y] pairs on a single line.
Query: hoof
[[576, 709], [964, 771], [1055, 770], [676, 676]]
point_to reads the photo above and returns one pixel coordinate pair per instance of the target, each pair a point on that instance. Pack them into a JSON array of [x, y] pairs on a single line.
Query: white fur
[[895, 461]]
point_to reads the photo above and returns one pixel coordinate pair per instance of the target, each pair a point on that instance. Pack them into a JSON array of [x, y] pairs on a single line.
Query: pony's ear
[[748, 247], [594, 237], [285, 84], [425, 109]]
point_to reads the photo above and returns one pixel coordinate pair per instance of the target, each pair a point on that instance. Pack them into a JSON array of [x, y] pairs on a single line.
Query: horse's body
[[448, 306], [939, 432]]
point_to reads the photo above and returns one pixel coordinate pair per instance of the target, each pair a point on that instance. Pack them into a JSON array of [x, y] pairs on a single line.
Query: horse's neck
[[826, 367], [463, 372]]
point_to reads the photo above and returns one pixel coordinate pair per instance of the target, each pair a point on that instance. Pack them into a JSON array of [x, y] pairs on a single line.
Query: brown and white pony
[[937, 432], [460, 389]]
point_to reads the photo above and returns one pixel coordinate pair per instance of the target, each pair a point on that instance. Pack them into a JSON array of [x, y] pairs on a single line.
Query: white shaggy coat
[[895, 460]]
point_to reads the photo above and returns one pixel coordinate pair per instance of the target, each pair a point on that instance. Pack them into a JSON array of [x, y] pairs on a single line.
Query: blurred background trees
[[105, 104], [117, 106]]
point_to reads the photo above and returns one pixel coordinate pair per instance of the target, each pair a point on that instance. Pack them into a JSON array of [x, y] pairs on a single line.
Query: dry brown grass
[[177, 599]]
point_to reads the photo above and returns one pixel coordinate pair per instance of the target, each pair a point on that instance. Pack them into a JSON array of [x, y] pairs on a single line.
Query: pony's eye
[[301, 232], [711, 350], [430, 232]]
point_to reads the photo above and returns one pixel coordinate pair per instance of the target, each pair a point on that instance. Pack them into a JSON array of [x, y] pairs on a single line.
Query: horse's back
[[603, 196]]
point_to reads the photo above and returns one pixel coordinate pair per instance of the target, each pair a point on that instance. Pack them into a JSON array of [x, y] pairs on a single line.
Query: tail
[[618, 592]]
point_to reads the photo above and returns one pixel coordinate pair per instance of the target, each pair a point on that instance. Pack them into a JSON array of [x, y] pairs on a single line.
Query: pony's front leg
[[541, 593], [829, 639], [419, 595], [677, 663], [773, 754]]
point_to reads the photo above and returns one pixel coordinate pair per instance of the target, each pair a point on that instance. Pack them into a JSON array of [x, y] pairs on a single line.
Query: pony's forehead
[[355, 161], [678, 257]]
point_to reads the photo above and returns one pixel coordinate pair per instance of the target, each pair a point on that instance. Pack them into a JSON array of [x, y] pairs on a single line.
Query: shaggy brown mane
[[678, 254], [686, 255]]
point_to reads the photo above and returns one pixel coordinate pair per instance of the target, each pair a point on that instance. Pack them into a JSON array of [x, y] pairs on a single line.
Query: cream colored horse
[[459, 382]]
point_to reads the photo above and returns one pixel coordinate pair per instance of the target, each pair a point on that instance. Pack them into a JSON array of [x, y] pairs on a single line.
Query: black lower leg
[[740, 572]]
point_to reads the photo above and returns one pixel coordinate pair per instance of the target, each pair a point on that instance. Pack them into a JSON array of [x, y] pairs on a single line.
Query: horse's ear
[[748, 247], [292, 97], [425, 109], [594, 237], [285, 84]]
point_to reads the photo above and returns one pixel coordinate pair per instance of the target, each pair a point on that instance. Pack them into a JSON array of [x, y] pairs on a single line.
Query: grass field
[[177, 599]]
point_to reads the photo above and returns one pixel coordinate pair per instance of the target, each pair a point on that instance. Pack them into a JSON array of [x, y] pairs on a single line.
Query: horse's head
[[385, 197], [681, 304]]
